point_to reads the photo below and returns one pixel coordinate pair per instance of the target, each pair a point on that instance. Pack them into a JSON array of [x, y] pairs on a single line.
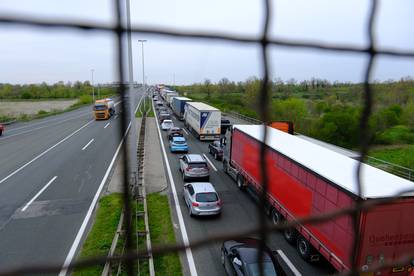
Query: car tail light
[[188, 168], [219, 203], [195, 204]]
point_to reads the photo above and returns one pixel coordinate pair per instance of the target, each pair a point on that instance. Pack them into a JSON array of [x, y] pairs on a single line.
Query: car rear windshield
[[268, 269], [206, 197], [179, 142], [198, 165]]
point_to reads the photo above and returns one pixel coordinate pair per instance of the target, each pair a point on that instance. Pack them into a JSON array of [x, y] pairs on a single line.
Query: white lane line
[[289, 263], [87, 145], [186, 131], [116, 116], [211, 163], [46, 151], [107, 125], [38, 194], [117, 103], [85, 222], [188, 252], [37, 128]]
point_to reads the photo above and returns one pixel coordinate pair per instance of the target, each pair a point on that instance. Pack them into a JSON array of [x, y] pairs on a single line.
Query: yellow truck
[[104, 109]]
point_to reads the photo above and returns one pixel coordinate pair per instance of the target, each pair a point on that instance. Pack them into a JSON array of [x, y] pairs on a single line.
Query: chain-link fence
[[264, 41]]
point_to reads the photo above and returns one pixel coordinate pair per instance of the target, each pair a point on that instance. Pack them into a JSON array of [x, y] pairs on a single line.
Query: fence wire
[[264, 41]]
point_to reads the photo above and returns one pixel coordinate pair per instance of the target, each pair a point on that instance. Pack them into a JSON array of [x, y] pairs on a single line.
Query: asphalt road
[[239, 213], [50, 172]]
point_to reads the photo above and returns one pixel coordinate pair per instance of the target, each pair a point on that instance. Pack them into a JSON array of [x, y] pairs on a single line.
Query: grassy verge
[[162, 232], [148, 109], [102, 233], [402, 155]]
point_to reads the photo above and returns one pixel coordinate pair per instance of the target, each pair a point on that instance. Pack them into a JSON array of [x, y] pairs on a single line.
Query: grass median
[[102, 233], [162, 232]]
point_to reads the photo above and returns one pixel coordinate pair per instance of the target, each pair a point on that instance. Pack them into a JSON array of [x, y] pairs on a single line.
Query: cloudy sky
[[30, 55]]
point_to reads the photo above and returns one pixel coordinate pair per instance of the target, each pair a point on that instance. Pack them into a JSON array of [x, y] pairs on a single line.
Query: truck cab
[[104, 109]]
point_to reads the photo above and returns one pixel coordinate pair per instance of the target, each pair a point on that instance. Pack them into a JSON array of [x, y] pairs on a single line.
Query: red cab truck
[[306, 179]]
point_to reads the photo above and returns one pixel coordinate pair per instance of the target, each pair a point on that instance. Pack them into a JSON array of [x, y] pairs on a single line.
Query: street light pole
[[93, 90], [131, 73], [143, 66]]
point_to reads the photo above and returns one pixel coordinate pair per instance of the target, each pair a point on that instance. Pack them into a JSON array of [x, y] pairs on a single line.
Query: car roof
[[249, 254], [203, 187], [195, 158], [178, 138]]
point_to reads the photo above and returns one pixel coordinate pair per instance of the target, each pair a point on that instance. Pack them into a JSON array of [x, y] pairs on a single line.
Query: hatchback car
[[178, 144], [202, 199], [194, 166], [239, 257], [175, 132], [167, 124], [216, 149]]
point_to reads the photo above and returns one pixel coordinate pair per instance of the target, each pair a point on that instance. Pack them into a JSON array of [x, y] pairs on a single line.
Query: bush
[[42, 112], [395, 135]]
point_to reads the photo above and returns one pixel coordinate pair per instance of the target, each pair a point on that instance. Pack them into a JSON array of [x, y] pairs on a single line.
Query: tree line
[[329, 111]]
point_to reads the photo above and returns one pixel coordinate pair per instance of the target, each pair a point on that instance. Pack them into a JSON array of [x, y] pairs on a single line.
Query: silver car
[[202, 199], [194, 166]]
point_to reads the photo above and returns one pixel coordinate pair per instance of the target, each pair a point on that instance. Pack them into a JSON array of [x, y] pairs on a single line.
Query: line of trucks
[[306, 179]]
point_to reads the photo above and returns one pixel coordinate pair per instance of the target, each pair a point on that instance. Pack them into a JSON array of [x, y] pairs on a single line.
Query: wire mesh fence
[[263, 41]]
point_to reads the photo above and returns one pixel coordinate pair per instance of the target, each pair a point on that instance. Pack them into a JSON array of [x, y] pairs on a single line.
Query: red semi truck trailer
[[306, 179]]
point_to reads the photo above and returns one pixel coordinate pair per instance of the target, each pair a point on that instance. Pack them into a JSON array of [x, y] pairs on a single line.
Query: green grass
[[148, 108], [401, 155], [102, 233], [162, 232]]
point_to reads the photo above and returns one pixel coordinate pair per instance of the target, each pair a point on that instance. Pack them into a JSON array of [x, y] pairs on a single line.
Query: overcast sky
[[34, 55]]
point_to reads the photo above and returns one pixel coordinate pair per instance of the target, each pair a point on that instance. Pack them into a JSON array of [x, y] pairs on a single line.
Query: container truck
[[177, 106], [203, 120], [169, 97], [306, 179], [104, 109]]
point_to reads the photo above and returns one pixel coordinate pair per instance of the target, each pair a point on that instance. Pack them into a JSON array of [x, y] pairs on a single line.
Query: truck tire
[[276, 217], [304, 248], [290, 235], [225, 167], [240, 182]]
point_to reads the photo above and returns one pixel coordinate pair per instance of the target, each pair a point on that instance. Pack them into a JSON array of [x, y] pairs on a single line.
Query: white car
[[167, 124]]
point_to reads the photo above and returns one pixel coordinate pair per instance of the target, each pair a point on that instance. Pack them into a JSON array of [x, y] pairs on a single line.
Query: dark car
[[216, 149], [164, 116], [175, 132], [225, 125], [239, 257]]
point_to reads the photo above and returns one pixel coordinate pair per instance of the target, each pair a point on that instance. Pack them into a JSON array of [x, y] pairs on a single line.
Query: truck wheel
[[290, 235], [240, 181], [276, 217], [304, 248], [225, 168]]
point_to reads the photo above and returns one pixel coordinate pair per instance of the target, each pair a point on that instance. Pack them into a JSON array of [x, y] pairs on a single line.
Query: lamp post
[[143, 66], [93, 90]]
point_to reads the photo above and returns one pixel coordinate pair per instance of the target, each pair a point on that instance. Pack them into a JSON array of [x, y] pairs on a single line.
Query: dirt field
[[16, 108]]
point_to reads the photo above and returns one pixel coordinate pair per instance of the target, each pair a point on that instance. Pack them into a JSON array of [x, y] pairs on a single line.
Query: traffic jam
[[304, 179]]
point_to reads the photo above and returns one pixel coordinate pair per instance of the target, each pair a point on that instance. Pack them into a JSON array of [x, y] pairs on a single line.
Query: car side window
[[185, 159], [190, 190]]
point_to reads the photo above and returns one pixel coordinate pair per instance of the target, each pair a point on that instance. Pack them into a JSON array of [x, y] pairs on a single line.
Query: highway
[[51, 172], [239, 213]]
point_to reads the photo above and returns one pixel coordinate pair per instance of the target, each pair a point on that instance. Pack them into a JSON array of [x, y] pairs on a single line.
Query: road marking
[[85, 222], [186, 131], [188, 252], [211, 164], [289, 263], [90, 142], [37, 128], [116, 116], [38, 194], [46, 151], [117, 103], [107, 125]]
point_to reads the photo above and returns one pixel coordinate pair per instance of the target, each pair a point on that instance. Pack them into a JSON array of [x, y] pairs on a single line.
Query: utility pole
[[93, 90], [143, 66]]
